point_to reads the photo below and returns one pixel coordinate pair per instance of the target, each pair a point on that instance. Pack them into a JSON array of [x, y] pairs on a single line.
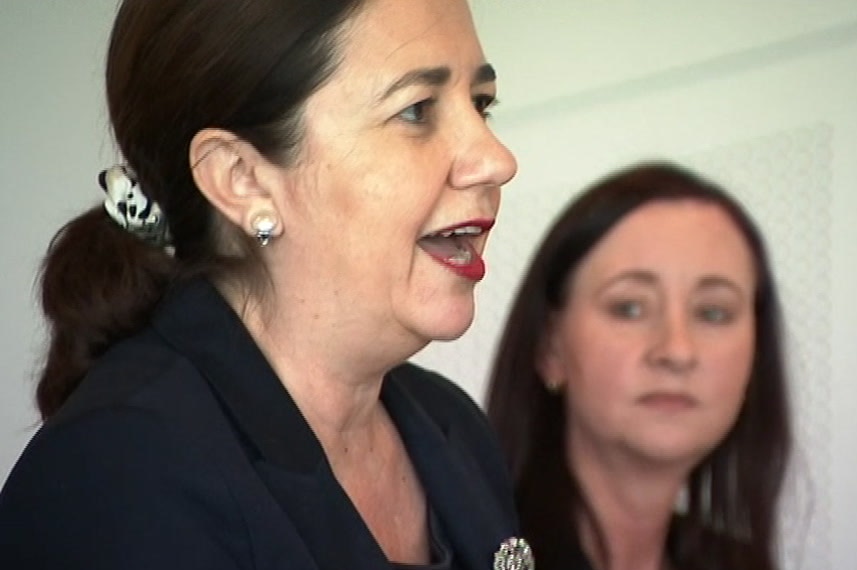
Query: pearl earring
[[263, 227]]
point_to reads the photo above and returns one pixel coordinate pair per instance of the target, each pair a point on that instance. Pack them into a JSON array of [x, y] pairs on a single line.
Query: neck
[[630, 508], [333, 375], [334, 370]]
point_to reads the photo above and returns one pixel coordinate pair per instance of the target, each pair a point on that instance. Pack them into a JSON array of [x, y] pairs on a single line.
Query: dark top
[[181, 449]]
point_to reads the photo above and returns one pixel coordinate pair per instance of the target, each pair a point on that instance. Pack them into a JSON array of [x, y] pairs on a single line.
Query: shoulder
[[118, 487], [141, 404], [131, 472], [127, 373], [146, 376]]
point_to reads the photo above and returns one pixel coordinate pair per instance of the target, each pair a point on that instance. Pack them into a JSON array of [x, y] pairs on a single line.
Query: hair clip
[[131, 209]]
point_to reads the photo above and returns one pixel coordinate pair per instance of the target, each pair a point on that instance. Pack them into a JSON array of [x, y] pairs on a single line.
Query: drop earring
[[263, 228]]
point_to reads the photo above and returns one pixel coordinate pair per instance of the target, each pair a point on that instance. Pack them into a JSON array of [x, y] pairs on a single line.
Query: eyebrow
[[436, 76], [648, 278], [636, 275], [716, 281], [484, 74]]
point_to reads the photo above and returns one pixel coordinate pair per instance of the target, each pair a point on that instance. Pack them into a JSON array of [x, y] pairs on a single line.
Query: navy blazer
[[182, 450]]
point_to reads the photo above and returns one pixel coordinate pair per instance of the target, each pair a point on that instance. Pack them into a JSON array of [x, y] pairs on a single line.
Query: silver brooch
[[514, 554]]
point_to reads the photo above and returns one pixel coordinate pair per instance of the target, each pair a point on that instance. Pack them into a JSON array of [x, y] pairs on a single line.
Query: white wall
[[761, 95]]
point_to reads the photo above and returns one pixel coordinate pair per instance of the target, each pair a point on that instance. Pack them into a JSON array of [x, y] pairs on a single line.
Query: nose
[[481, 159], [673, 347]]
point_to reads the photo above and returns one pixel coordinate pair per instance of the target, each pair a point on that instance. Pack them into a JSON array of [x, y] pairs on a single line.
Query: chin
[[676, 450], [447, 336], [447, 324], [451, 329]]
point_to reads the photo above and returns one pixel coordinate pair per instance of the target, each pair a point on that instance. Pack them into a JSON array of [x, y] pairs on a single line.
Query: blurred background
[[760, 95]]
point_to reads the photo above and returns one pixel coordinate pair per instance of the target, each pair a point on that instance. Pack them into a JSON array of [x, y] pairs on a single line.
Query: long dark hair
[[175, 67], [730, 520]]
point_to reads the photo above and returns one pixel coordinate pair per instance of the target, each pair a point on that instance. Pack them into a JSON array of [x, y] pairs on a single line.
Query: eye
[[626, 309], [483, 103], [418, 112], [714, 314]]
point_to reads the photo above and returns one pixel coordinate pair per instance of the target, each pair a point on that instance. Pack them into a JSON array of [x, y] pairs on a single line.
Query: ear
[[549, 362], [236, 179]]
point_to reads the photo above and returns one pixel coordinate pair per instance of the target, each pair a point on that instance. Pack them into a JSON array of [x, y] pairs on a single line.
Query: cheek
[[730, 367], [602, 370]]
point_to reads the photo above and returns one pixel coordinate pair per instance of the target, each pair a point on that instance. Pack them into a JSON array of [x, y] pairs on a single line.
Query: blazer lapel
[[469, 514], [325, 518]]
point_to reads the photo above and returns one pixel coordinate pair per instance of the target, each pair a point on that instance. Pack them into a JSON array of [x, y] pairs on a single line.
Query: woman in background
[[308, 188], [641, 367]]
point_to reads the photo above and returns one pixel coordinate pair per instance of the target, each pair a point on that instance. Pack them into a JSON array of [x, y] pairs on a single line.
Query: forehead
[[681, 239], [385, 35]]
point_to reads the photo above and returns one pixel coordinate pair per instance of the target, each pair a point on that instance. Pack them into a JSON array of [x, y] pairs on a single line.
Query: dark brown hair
[[730, 521], [175, 67]]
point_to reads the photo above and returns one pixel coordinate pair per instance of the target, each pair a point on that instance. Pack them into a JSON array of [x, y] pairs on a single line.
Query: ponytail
[[99, 284]]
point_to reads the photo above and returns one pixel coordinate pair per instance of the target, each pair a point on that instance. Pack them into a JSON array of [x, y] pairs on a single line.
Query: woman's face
[[399, 179], [655, 344]]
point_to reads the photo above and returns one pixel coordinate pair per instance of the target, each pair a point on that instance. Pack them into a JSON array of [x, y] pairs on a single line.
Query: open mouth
[[455, 248]]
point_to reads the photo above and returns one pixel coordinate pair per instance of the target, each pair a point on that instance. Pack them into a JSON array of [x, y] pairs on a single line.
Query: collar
[[198, 322]]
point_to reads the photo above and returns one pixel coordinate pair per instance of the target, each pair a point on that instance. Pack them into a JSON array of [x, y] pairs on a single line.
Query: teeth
[[468, 230], [462, 231]]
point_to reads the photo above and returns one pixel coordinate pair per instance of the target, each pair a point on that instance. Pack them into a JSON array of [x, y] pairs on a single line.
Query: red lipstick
[[454, 247]]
